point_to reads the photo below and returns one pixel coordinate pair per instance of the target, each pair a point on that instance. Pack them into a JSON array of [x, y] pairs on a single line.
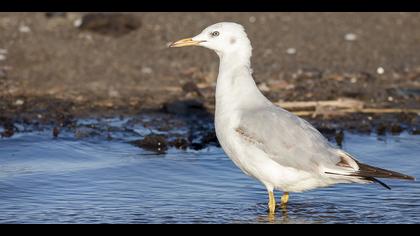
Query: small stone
[[146, 70], [153, 142], [390, 99], [339, 137], [85, 132], [24, 29], [381, 129], [353, 80], [291, 51], [180, 143], [19, 102], [415, 131], [252, 19], [263, 87], [350, 37], [396, 128], [78, 22], [2, 57], [7, 133], [113, 93], [380, 70], [56, 131]]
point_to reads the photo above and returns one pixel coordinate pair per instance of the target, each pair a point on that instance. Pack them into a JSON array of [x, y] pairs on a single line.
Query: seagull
[[279, 149]]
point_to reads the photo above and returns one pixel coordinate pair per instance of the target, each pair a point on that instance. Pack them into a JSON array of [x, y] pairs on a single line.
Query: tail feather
[[371, 171], [367, 172]]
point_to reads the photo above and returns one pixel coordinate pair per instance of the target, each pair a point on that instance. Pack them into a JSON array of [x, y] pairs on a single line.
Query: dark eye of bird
[[215, 33]]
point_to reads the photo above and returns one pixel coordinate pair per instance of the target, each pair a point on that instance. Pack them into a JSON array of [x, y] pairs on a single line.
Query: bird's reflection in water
[[301, 213], [279, 217]]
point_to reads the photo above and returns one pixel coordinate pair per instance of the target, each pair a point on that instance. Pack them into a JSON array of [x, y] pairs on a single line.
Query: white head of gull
[[281, 150]]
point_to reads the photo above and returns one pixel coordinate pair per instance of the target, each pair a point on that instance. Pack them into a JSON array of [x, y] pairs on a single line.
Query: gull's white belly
[[256, 163]]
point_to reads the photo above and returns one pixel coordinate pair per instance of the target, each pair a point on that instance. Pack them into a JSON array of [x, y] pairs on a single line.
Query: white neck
[[235, 86]]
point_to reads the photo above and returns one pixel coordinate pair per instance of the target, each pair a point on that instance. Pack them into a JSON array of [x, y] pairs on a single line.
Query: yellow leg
[[271, 202], [284, 199]]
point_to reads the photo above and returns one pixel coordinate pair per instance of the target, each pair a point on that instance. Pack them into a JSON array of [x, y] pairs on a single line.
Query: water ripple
[[95, 181]]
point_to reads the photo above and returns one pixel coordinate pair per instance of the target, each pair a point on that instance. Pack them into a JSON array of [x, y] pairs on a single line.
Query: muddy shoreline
[[57, 69]]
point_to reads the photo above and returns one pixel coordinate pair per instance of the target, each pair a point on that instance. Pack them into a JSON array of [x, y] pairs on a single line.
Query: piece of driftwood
[[337, 107], [366, 110], [339, 103]]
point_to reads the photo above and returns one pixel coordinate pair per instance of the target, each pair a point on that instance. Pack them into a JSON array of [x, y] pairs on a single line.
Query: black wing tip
[[379, 182], [372, 171], [412, 178], [373, 179]]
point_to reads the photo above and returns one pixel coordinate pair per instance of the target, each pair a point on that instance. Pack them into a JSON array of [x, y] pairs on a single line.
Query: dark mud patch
[[153, 142], [8, 127]]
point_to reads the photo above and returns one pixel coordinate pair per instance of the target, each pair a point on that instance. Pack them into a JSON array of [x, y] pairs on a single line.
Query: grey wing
[[287, 139]]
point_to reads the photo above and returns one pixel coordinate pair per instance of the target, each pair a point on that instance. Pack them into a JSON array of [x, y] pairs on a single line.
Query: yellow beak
[[184, 43]]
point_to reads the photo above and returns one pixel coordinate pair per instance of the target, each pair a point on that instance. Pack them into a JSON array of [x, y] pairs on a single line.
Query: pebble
[[146, 70], [252, 19], [153, 142], [19, 102], [380, 70], [113, 93], [84, 132], [291, 51], [396, 128], [263, 87], [180, 143], [350, 37], [24, 29], [2, 57], [56, 132], [78, 22]]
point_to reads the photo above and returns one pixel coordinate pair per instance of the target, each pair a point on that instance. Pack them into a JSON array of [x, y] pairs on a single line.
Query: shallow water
[[93, 180]]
